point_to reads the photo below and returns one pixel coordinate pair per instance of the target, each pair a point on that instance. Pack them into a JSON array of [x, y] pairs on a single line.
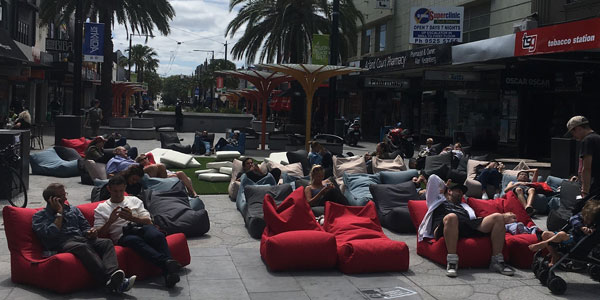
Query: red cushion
[[362, 245], [485, 208], [63, 273], [516, 247], [79, 144], [292, 232], [150, 157], [511, 203], [293, 213], [88, 210], [298, 250]]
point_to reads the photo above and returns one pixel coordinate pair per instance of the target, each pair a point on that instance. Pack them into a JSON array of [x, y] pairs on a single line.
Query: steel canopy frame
[[265, 83], [310, 77]]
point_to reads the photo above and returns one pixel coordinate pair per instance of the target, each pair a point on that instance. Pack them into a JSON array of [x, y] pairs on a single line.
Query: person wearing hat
[[449, 217], [589, 158]]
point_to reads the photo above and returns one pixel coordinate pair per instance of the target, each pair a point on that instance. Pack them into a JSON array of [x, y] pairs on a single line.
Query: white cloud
[[198, 24]]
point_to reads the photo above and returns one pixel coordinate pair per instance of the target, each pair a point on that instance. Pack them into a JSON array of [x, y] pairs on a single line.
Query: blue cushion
[[554, 182], [159, 184], [357, 187], [395, 177], [48, 163], [196, 203]]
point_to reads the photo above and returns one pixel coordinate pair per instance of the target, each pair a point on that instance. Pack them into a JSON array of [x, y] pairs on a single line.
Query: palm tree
[[284, 28], [138, 16], [144, 58]]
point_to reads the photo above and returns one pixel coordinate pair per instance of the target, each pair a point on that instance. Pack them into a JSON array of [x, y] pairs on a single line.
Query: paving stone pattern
[[226, 264]]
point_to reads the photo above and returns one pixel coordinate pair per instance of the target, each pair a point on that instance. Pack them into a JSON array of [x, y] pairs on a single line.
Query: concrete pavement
[[226, 264]]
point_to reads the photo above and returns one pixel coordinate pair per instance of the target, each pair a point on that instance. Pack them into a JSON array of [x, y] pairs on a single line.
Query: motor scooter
[[353, 132]]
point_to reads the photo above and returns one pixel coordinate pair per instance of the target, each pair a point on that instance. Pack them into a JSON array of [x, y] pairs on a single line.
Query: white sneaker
[[498, 265], [485, 196], [452, 265]]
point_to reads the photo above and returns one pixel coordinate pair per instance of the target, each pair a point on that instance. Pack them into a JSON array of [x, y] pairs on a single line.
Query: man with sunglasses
[[63, 228]]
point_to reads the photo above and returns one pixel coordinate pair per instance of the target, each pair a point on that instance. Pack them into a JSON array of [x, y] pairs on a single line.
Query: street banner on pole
[[93, 43], [219, 82], [320, 49], [436, 25]]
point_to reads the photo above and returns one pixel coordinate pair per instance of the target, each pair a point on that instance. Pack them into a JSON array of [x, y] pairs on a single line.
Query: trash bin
[[563, 157], [68, 127], [339, 127]]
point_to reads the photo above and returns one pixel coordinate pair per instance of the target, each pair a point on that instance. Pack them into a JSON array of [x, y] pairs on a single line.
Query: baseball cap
[[574, 122], [459, 186]]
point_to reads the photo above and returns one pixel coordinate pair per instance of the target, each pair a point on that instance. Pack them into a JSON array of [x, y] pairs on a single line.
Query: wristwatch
[[56, 215]]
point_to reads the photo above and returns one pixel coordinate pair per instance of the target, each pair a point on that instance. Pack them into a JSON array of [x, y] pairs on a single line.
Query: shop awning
[[8, 48], [484, 50]]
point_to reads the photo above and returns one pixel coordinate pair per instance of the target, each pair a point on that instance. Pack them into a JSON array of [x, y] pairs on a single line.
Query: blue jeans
[[149, 244]]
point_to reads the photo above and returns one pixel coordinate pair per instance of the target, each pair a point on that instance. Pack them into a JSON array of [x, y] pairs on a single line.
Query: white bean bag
[[158, 153], [226, 170], [214, 177], [218, 164], [279, 157], [206, 171], [176, 159], [194, 164], [227, 155]]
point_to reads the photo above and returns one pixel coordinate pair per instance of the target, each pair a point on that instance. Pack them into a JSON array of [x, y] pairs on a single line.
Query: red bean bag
[[292, 239], [63, 272], [362, 246], [476, 252], [79, 144]]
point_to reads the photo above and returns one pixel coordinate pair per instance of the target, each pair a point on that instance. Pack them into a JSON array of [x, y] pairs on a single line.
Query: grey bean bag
[[253, 213], [66, 153], [439, 165], [391, 201], [171, 211]]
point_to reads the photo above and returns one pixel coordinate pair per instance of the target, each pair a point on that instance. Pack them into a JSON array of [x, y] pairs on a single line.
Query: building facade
[[473, 91]]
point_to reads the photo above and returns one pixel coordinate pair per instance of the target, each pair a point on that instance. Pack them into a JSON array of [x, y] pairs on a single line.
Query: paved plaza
[[226, 264]]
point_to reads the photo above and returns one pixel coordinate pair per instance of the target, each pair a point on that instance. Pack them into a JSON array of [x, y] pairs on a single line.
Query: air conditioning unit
[[524, 25]]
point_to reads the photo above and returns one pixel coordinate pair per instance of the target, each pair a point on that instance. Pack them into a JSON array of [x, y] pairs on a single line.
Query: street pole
[[129, 59], [333, 60], [77, 57], [225, 50]]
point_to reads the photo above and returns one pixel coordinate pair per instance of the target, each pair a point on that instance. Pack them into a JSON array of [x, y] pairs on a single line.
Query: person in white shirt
[[449, 217], [125, 220]]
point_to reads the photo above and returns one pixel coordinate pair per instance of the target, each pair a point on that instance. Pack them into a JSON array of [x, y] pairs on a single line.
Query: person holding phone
[[319, 191], [63, 228], [125, 220]]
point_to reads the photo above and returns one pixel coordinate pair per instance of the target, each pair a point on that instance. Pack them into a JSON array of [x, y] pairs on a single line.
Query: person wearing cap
[[589, 158], [449, 217], [233, 141]]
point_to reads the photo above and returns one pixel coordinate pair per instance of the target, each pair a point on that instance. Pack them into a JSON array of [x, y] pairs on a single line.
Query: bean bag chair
[[234, 185], [171, 212], [170, 140], [214, 177], [391, 201], [225, 170], [362, 246], [255, 195], [476, 252], [66, 153], [300, 156], [176, 159], [278, 157], [559, 217], [439, 165], [63, 272], [348, 165], [292, 169], [241, 147], [396, 164], [388, 177], [292, 239], [357, 187], [218, 164], [240, 201], [79, 144], [48, 163], [157, 184]]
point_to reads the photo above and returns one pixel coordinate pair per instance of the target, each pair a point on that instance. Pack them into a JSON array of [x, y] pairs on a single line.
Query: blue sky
[[198, 24]]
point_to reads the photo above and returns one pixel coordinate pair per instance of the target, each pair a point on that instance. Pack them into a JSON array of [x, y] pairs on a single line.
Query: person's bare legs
[[187, 182], [494, 224], [151, 170], [561, 236], [530, 196], [520, 195], [451, 232]]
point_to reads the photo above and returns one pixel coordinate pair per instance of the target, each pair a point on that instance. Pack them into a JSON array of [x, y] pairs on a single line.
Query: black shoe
[[172, 266], [115, 281], [530, 211], [171, 279]]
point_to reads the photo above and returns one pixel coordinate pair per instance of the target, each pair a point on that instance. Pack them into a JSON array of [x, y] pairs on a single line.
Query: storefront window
[[366, 41], [380, 44]]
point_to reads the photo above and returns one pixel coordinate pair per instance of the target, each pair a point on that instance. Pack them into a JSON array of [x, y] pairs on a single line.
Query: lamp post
[[77, 57], [131, 35], [333, 60]]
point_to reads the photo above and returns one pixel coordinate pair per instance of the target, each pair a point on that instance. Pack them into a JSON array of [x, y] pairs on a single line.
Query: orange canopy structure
[[122, 91]]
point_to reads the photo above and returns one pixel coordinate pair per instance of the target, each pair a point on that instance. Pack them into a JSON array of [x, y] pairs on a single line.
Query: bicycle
[[16, 193]]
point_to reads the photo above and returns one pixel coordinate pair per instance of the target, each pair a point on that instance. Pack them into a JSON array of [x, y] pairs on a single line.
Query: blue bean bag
[[356, 188], [48, 163]]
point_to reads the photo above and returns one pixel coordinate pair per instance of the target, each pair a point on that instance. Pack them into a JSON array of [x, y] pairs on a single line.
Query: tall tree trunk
[[105, 92], [141, 75]]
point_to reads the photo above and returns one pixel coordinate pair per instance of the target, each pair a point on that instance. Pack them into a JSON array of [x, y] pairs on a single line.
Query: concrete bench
[[142, 122]]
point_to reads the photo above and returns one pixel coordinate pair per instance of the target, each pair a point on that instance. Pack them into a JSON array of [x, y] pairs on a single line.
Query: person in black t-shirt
[[254, 173], [589, 157]]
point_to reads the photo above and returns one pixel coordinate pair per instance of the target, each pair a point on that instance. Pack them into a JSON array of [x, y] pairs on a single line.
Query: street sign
[[93, 43], [60, 46], [436, 25], [197, 92], [219, 82]]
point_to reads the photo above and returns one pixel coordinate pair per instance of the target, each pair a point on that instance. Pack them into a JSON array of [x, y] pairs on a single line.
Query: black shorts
[[465, 228]]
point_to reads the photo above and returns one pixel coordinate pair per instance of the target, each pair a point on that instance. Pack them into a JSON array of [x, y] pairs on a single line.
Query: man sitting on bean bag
[[160, 171]]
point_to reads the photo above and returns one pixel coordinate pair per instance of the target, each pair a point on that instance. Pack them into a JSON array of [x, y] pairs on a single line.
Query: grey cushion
[[66, 153], [438, 165], [391, 201], [48, 163], [391, 177], [357, 187], [300, 156], [255, 195]]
